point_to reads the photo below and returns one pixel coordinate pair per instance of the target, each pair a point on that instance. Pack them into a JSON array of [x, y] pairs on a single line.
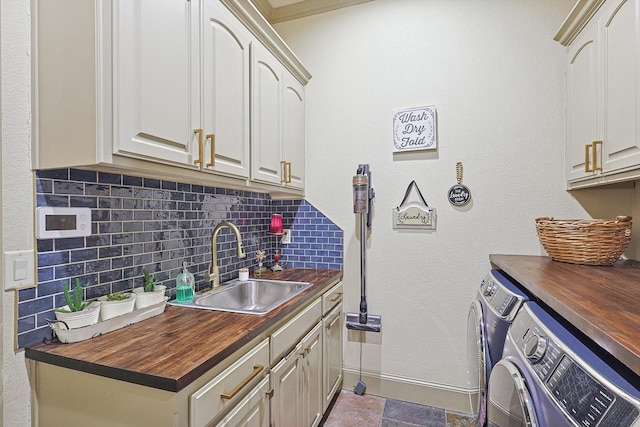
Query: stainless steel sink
[[253, 296]]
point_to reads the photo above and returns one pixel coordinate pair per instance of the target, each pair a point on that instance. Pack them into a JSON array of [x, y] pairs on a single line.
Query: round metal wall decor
[[459, 194]]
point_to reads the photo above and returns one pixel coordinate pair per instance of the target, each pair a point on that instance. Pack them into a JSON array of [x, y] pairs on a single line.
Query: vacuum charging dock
[[373, 323]]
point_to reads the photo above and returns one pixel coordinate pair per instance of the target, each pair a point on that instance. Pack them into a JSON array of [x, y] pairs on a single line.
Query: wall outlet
[[286, 237]]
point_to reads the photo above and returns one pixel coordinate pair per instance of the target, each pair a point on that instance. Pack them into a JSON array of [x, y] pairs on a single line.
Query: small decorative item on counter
[[150, 292], [585, 241], [77, 313], [243, 274], [185, 285], [116, 304], [258, 272]]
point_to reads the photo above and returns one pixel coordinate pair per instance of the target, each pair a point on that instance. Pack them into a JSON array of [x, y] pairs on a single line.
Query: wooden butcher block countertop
[[173, 349], [603, 302]]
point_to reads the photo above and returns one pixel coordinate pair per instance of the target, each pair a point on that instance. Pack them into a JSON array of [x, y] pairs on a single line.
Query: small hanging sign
[[414, 214], [459, 195], [414, 129]]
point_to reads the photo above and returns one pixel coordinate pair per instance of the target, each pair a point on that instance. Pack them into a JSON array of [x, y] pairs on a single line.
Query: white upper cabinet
[[182, 98], [294, 131], [226, 119], [602, 138], [266, 146], [582, 101], [163, 87], [157, 72], [278, 123], [621, 75]]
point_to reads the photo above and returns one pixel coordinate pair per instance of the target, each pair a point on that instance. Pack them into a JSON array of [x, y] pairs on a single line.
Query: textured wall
[[496, 77]]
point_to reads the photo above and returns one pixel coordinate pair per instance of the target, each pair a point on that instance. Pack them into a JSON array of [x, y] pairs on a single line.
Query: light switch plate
[[286, 237], [19, 270]]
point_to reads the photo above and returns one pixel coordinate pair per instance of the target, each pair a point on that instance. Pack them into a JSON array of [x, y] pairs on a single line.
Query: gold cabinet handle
[[591, 152], [256, 371], [594, 150], [283, 170], [212, 137], [336, 298], [200, 146], [289, 172]]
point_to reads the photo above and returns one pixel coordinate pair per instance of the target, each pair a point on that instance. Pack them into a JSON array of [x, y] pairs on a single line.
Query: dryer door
[[477, 363], [510, 403]]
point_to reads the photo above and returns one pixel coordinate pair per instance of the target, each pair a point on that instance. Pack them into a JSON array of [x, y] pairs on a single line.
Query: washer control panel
[[588, 401], [497, 296]]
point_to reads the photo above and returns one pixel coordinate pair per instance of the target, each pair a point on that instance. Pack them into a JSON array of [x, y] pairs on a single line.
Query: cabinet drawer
[[225, 390], [331, 298], [288, 335]]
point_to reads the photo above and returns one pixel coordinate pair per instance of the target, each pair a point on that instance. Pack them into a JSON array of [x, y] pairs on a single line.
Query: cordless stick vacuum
[[363, 194]]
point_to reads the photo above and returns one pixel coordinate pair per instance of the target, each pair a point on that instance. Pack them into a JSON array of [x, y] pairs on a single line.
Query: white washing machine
[[490, 314], [548, 377]]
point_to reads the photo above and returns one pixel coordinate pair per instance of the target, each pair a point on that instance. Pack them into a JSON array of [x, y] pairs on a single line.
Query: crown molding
[[581, 13], [251, 17]]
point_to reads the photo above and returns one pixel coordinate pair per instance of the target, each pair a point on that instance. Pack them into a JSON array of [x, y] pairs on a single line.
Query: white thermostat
[[60, 223]]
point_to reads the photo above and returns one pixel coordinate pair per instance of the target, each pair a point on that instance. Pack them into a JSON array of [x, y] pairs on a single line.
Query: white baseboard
[[410, 390]]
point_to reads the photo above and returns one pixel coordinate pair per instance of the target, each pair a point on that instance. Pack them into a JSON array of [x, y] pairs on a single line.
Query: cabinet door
[[252, 411], [582, 101], [286, 404], [332, 357], [266, 142], [312, 378], [156, 79], [621, 47], [226, 66], [294, 134]]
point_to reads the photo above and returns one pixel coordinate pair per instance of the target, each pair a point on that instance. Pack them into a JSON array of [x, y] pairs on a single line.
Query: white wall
[[496, 77], [17, 192]]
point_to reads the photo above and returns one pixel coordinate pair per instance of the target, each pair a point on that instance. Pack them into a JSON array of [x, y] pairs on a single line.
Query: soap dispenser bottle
[[185, 285]]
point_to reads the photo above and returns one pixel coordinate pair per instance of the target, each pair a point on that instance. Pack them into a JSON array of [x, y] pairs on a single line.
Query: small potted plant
[[77, 313], [150, 292], [116, 304]]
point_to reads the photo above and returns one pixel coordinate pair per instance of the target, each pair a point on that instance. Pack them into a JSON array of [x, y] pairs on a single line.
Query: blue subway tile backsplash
[[144, 223]]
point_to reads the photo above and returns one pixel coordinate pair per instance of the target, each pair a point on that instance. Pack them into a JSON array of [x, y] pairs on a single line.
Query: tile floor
[[351, 410]]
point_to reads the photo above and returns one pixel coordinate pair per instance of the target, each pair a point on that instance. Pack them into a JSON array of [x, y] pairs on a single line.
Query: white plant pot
[[78, 319], [111, 309], [145, 299]]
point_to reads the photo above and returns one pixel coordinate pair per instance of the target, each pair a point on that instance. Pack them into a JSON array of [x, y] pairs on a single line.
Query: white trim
[[247, 13], [443, 396], [581, 13]]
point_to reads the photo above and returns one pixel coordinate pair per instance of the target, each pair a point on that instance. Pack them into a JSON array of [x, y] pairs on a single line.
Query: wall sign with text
[[414, 129], [414, 214]]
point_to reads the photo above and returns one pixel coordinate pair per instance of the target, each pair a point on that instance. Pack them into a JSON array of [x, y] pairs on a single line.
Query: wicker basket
[[585, 241]]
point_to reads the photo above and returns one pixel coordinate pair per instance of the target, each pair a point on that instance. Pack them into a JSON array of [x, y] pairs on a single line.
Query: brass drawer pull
[[336, 298], [283, 170], [591, 152], [288, 172], [256, 371], [200, 146], [212, 137]]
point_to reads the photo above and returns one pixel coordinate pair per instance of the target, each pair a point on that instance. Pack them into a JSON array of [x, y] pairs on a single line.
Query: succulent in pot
[[77, 313], [116, 304], [150, 293]]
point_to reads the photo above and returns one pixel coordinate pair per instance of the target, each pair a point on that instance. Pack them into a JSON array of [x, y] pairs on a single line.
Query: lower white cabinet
[[311, 353], [332, 355], [286, 403], [252, 411], [223, 392]]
